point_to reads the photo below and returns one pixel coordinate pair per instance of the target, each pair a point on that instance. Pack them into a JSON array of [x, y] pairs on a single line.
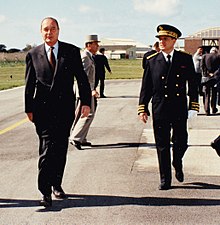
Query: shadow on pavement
[[75, 200], [118, 145]]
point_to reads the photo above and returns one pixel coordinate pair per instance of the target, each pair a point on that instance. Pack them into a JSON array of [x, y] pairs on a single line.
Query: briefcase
[[216, 145]]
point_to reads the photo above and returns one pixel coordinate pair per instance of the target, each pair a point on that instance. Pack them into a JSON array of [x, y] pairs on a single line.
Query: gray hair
[[213, 50]]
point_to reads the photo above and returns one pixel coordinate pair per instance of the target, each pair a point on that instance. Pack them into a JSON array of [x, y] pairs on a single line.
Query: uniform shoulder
[[152, 55], [187, 53]]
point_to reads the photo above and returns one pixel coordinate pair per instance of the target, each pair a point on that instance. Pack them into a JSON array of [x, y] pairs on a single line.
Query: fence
[[12, 57]]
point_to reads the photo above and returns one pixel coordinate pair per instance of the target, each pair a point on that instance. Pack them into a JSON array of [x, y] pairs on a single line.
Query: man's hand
[[143, 117], [85, 111], [95, 93], [30, 116]]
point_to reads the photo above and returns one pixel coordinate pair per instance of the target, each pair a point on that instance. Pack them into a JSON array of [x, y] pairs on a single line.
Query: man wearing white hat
[[81, 125]]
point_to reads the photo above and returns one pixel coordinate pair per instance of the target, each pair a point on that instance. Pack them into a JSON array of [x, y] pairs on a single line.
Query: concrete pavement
[[116, 181]]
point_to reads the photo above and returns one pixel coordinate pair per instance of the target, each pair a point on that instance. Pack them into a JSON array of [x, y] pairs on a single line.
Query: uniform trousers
[[162, 134], [82, 125]]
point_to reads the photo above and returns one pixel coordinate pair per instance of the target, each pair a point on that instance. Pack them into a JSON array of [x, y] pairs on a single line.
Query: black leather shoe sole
[[77, 145], [59, 193], [86, 144], [179, 176], [164, 187], [46, 201]]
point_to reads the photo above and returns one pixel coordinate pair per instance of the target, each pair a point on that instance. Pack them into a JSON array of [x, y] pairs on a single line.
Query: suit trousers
[[162, 133], [210, 98], [53, 145], [82, 125]]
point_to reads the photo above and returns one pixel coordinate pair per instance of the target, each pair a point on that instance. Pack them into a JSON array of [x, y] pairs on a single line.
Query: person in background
[[210, 64], [155, 49], [165, 80], [81, 125], [101, 62], [50, 103], [197, 60]]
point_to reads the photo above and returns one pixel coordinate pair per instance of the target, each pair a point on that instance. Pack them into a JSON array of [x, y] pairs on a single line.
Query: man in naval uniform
[[165, 81]]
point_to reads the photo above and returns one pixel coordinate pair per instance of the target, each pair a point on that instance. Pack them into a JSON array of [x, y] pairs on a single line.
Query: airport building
[[123, 48], [206, 38]]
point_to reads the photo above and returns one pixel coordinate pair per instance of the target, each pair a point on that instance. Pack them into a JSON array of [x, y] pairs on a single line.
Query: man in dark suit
[[210, 65], [164, 81], [50, 103], [101, 62]]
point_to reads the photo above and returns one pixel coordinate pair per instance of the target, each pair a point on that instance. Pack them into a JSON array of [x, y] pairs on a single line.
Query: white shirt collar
[[171, 54], [55, 50]]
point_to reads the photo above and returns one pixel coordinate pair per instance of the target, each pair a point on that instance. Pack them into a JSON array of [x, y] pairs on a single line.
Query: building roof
[[122, 42], [213, 32]]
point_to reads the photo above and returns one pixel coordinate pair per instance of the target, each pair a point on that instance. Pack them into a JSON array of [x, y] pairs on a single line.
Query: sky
[[130, 19]]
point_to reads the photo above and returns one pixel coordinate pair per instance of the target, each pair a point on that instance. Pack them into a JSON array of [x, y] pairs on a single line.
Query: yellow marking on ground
[[13, 126]]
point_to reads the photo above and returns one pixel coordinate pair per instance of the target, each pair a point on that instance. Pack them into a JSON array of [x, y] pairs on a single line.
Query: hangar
[[123, 48], [207, 38]]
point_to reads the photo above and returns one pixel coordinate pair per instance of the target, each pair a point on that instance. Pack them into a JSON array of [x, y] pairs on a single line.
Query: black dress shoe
[[103, 96], [164, 186], [179, 175], [46, 201], [215, 110], [216, 147], [78, 145], [86, 143], [59, 193]]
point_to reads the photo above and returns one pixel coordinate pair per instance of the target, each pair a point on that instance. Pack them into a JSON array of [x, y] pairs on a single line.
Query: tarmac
[[116, 181], [202, 130]]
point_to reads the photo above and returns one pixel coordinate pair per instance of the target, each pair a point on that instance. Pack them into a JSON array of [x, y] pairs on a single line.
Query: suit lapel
[[162, 64], [60, 60]]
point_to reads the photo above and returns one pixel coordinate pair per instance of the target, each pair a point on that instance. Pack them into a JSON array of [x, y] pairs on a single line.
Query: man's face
[[200, 50], [93, 47], [166, 43], [49, 31]]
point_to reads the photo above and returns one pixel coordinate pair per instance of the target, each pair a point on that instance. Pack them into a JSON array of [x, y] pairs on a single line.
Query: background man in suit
[[210, 65], [50, 103], [81, 125], [101, 62], [164, 80]]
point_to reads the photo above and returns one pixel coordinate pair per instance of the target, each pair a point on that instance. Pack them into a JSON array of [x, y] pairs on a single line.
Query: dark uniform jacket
[[145, 57], [49, 95], [101, 63], [167, 88]]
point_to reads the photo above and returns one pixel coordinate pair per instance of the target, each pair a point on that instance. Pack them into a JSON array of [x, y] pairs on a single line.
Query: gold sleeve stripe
[[195, 106], [141, 109]]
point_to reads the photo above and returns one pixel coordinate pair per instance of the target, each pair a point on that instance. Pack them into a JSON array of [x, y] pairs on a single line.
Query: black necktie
[[52, 59], [168, 61]]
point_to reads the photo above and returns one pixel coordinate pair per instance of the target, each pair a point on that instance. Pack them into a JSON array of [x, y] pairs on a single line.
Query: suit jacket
[[50, 96], [101, 62], [89, 67], [210, 63], [167, 87]]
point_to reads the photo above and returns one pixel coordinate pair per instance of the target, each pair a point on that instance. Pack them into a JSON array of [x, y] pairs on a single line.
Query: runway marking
[[13, 126]]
